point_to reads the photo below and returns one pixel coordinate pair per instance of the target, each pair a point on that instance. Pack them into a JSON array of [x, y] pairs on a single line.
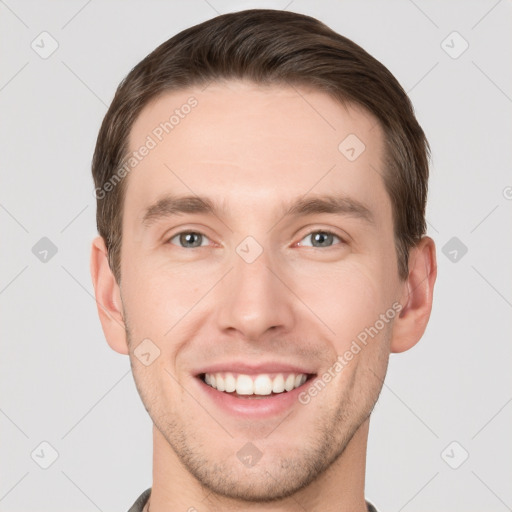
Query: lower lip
[[254, 408]]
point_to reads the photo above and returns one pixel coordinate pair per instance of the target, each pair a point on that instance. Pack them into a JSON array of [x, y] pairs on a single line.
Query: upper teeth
[[261, 384]]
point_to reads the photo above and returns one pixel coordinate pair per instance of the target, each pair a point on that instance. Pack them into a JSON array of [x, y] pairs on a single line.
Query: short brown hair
[[270, 47]]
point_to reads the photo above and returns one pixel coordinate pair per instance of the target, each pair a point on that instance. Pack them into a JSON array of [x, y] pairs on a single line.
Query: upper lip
[[252, 369]]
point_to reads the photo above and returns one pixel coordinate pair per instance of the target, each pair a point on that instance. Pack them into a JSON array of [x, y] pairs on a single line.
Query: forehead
[[249, 145]]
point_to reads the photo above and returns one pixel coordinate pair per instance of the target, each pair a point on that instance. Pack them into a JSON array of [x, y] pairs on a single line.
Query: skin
[[253, 149]]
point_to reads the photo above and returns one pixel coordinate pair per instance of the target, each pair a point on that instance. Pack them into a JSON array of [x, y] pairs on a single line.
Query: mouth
[[253, 394], [255, 386]]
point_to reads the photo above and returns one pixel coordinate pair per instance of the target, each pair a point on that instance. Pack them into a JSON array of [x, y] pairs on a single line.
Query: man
[[261, 185]]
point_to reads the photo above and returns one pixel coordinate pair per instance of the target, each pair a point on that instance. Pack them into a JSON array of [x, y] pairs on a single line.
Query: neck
[[338, 489]]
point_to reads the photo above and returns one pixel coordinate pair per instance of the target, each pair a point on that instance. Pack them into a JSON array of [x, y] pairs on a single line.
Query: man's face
[[249, 290]]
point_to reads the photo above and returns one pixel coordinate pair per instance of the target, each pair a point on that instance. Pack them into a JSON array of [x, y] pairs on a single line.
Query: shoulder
[[370, 507], [140, 501]]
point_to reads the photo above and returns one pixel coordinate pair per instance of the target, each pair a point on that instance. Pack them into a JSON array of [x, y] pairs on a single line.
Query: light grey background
[[61, 383]]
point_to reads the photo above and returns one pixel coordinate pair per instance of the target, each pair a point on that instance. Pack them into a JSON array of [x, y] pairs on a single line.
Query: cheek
[[157, 299], [344, 297], [347, 300]]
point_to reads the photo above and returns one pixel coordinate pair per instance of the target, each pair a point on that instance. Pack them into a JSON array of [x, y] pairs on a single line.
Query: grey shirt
[[143, 498]]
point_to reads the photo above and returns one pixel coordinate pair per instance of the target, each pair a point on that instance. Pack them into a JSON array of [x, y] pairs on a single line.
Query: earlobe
[[417, 296], [108, 297]]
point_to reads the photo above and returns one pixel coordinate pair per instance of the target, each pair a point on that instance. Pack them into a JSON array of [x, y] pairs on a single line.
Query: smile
[[258, 385], [253, 396]]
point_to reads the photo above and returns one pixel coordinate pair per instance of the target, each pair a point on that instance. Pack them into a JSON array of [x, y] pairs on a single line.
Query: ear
[[417, 294], [108, 297]]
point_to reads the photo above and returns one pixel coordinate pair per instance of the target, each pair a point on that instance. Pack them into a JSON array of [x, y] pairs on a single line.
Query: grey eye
[[189, 239], [321, 239]]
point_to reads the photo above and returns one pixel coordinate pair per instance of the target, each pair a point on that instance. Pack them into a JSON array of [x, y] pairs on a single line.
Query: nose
[[255, 298]]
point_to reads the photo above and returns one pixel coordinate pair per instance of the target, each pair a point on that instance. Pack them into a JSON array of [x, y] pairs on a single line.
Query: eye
[[189, 239], [321, 239]]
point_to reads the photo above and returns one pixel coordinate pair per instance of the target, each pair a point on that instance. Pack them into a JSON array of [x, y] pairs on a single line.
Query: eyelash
[[323, 231]]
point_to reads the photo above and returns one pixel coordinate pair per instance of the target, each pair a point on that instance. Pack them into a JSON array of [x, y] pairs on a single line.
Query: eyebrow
[[169, 206]]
